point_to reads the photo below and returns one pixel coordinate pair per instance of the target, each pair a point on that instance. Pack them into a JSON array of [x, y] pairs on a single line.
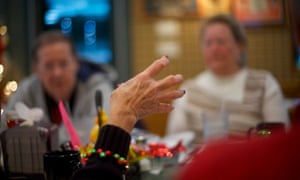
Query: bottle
[[96, 129]]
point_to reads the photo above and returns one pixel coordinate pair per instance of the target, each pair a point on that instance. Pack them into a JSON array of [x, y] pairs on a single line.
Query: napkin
[[28, 115]]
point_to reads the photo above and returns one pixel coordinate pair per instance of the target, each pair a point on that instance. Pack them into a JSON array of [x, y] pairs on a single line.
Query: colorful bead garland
[[102, 154], [264, 132]]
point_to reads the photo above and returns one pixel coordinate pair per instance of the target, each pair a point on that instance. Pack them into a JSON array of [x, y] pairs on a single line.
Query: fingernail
[[178, 77], [165, 61]]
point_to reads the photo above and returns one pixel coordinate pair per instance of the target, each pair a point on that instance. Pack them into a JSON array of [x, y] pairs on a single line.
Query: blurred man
[[56, 77]]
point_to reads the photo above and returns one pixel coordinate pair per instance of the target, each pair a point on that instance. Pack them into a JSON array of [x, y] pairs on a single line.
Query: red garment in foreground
[[277, 157]]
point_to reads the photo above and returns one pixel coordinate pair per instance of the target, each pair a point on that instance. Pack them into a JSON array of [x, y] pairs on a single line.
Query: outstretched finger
[[156, 67], [170, 95], [169, 81], [164, 108]]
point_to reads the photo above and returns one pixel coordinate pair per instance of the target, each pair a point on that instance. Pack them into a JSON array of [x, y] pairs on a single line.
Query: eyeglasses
[[52, 65]]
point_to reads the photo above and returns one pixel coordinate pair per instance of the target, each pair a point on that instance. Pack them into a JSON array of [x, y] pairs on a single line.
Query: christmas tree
[[9, 75]]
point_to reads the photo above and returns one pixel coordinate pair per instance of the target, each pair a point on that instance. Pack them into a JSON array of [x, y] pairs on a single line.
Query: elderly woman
[[248, 96]]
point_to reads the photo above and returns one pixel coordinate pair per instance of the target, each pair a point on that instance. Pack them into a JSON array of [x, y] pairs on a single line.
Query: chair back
[[23, 149]]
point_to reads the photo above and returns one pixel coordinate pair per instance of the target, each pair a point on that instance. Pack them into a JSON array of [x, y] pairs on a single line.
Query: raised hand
[[143, 95]]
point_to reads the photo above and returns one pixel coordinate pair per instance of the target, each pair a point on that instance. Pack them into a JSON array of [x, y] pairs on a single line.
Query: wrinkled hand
[[143, 95]]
